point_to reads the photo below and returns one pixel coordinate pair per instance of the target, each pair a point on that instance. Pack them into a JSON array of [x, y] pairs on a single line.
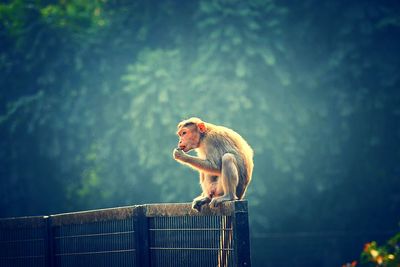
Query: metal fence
[[146, 235]]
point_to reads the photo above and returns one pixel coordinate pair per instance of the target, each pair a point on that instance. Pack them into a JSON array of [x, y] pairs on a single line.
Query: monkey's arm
[[203, 165]]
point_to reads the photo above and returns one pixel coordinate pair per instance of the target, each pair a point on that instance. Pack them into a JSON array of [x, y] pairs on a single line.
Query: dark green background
[[91, 94]]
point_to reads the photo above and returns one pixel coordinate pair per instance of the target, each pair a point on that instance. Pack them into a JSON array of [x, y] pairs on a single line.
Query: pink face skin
[[189, 138]]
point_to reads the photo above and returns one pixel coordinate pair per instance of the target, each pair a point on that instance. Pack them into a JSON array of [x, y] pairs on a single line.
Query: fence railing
[[145, 235]]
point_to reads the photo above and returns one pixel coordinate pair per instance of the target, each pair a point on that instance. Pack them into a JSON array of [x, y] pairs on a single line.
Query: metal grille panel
[[22, 243], [105, 243], [191, 241]]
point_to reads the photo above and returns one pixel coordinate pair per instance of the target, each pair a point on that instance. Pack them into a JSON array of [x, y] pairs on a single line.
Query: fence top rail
[[184, 209], [90, 216], [23, 222], [149, 210]]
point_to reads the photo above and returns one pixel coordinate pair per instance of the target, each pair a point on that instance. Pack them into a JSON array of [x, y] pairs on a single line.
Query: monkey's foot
[[198, 203], [216, 201]]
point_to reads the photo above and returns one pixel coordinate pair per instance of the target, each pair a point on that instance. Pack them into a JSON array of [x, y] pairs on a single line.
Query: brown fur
[[216, 146]]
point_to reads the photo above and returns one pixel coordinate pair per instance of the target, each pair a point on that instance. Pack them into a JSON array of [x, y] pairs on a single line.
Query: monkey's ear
[[202, 127]]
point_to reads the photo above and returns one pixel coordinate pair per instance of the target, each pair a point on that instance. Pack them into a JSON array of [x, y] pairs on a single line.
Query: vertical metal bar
[[241, 234], [49, 249], [142, 237]]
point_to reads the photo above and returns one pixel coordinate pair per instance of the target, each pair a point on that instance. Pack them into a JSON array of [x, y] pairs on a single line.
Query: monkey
[[224, 160]]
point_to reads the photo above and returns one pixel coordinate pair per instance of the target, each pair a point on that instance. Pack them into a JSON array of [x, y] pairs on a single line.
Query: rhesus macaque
[[225, 160]]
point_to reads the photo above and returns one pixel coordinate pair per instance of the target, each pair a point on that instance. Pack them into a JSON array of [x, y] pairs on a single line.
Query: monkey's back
[[223, 140]]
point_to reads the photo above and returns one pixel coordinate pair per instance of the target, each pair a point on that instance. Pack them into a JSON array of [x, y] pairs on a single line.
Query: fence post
[[49, 259], [142, 237], [241, 233]]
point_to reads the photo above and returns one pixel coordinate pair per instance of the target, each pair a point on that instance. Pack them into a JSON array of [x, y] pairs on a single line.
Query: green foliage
[[74, 15], [9, 13], [387, 255]]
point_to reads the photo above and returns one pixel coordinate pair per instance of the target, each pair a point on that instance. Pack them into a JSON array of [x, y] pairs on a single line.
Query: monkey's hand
[[179, 154]]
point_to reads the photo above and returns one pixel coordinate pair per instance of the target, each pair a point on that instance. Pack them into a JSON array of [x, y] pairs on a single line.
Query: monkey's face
[[189, 138]]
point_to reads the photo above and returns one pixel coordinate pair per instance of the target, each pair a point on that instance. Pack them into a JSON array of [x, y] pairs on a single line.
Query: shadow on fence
[[145, 235]]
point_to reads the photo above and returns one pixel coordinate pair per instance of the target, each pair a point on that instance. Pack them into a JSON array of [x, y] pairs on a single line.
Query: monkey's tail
[[240, 190], [225, 241]]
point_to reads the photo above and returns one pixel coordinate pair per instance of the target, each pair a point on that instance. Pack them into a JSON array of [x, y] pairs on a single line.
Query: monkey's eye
[[183, 133]]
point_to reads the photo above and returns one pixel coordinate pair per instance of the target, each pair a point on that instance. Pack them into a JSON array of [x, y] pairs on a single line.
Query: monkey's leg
[[199, 201], [229, 180]]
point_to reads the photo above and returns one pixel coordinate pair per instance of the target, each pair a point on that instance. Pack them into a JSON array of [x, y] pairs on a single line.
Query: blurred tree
[[91, 93]]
